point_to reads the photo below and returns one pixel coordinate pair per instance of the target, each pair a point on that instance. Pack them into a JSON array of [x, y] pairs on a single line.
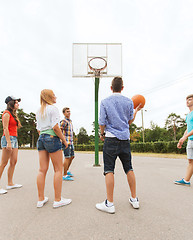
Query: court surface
[[166, 209]]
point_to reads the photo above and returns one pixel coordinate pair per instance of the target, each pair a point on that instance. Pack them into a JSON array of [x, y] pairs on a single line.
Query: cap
[[10, 98]]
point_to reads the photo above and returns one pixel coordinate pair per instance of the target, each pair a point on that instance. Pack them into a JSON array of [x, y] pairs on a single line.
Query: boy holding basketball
[[188, 134], [116, 114]]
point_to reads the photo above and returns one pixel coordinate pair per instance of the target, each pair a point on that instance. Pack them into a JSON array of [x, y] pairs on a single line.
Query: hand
[[138, 108], [102, 138], [9, 147], [65, 143], [179, 145], [181, 141]]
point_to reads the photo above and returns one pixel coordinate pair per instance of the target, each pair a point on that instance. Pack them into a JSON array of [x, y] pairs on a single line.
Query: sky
[[36, 38]]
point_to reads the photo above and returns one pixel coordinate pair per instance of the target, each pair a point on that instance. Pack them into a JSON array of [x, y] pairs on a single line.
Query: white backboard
[[82, 53]]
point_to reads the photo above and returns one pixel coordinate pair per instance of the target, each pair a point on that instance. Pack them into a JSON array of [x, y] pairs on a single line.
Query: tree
[[135, 136], [174, 122], [33, 134], [93, 130], [155, 133], [83, 136]]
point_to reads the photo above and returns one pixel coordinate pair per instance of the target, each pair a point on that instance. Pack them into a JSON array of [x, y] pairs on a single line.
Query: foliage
[[82, 136], [135, 136], [173, 123]]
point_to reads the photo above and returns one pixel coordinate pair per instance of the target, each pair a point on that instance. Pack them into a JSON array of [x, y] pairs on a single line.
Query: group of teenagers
[[116, 114]]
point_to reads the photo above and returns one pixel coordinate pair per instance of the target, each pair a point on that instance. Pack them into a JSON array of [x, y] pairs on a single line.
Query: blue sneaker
[[182, 182], [67, 178], [70, 174]]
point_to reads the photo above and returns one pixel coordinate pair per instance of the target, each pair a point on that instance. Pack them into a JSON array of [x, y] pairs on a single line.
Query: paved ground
[[166, 211]]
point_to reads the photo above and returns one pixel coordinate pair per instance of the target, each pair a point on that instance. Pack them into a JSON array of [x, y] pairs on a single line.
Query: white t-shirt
[[49, 120]]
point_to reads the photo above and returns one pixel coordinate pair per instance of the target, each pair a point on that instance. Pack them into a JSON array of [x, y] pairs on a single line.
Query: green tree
[[173, 123], [93, 130], [82, 136], [155, 133], [33, 134]]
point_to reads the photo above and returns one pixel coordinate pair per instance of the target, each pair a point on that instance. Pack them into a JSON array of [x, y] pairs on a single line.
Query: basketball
[[137, 99]]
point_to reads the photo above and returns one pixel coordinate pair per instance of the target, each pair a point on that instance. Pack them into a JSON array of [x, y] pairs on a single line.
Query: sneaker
[[67, 178], [41, 203], [62, 202], [103, 207], [70, 174], [182, 182], [13, 186], [2, 191], [135, 204]]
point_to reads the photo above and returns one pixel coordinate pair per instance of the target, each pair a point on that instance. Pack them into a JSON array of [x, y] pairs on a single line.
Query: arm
[[6, 118], [135, 113], [58, 132], [102, 129], [183, 139]]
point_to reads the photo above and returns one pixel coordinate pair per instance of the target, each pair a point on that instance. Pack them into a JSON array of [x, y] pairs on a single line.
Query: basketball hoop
[[97, 64]]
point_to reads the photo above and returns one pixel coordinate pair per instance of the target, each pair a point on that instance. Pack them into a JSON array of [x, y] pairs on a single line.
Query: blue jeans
[[114, 148], [13, 139], [49, 143]]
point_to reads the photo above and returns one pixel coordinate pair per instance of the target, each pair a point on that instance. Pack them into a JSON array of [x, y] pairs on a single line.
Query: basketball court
[[165, 208]]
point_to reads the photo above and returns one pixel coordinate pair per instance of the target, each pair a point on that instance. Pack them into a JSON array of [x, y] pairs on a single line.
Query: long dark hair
[[12, 110]]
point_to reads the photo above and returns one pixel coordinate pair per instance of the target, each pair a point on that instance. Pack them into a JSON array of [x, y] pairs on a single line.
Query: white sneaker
[[103, 207], [41, 203], [13, 186], [62, 202], [2, 191], [135, 204]]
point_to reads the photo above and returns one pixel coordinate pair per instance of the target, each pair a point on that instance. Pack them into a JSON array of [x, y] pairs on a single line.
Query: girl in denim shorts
[[9, 143], [50, 146]]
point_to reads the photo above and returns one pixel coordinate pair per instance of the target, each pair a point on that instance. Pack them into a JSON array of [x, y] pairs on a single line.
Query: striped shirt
[[67, 130]]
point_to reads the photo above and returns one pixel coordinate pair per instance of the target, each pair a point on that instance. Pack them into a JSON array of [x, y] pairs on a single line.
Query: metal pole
[[142, 125], [96, 123]]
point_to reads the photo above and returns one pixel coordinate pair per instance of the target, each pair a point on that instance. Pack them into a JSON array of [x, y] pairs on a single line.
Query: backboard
[[82, 53]]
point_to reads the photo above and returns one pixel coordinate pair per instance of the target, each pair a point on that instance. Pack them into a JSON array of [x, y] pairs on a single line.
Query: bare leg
[[67, 162], [132, 183], [4, 159], [109, 179], [189, 171], [13, 161], [70, 162], [44, 164], [57, 159]]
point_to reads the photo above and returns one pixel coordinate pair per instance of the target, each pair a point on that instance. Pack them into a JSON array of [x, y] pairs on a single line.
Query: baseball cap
[[10, 98]]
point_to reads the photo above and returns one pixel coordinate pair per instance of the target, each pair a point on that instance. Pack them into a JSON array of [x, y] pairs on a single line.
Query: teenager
[[67, 130], [116, 114], [188, 134], [50, 146], [9, 142]]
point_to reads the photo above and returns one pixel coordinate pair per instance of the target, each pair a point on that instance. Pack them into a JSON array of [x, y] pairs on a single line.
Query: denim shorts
[[14, 142], [69, 151], [49, 143], [114, 148], [189, 149]]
